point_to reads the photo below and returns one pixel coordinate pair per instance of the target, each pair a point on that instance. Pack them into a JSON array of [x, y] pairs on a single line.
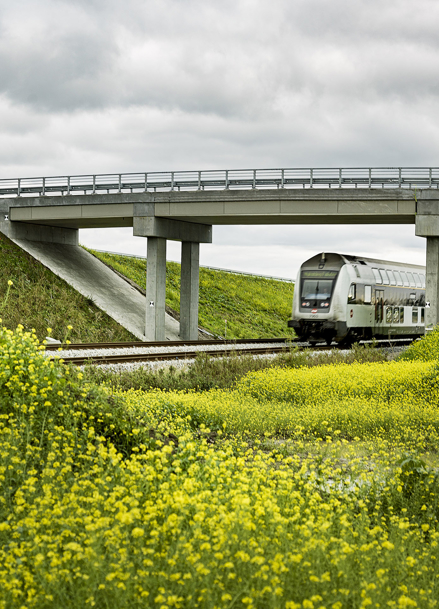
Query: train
[[346, 298]]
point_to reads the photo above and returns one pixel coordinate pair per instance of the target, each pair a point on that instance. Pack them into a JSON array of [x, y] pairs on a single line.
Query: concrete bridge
[[183, 206]]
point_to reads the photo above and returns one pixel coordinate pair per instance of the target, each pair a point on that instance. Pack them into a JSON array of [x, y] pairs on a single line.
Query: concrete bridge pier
[[427, 225], [189, 290], [158, 230], [155, 289]]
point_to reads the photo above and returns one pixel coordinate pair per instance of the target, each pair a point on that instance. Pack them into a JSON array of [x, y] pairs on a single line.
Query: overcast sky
[[97, 86]]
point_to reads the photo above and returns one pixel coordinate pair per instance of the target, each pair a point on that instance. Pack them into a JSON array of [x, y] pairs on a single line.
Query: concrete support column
[[432, 283], [155, 288], [427, 225], [190, 272]]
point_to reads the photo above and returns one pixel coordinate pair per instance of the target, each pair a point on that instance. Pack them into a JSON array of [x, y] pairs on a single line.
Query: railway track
[[166, 343], [101, 356]]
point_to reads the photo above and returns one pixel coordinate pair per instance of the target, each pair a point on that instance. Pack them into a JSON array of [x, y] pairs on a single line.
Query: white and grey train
[[348, 298]]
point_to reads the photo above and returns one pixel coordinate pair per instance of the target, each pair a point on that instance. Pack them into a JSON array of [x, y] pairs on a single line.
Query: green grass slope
[[39, 299], [253, 307]]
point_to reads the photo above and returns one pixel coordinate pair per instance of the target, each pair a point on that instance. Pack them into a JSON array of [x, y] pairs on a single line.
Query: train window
[[396, 315], [377, 276], [317, 289], [415, 315], [398, 277], [423, 280], [391, 277], [422, 315], [401, 315], [367, 293], [384, 277], [352, 293], [417, 280], [405, 280], [388, 315], [412, 280]]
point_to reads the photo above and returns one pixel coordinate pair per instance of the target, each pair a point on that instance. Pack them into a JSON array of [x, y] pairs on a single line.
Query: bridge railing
[[347, 177]]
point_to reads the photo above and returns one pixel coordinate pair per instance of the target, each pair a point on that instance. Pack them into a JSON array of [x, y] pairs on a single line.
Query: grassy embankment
[[254, 307], [39, 299], [314, 488]]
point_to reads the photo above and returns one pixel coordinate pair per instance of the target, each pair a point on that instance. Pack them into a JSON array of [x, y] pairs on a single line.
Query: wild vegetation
[[208, 372], [299, 488], [253, 307]]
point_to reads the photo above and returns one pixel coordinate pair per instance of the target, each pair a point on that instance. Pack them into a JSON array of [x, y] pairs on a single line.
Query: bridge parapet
[[344, 177]]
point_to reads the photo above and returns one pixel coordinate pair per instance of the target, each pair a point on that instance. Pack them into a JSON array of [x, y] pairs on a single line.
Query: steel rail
[[176, 355], [166, 343], [258, 349], [347, 177]]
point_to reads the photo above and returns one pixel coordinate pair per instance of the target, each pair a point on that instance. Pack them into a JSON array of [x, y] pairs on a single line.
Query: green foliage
[[254, 307], [426, 349], [38, 299]]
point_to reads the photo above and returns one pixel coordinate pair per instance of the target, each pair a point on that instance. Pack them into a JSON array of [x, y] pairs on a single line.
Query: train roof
[[361, 260]]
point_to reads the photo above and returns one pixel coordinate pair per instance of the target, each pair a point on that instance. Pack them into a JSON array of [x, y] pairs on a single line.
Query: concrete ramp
[[93, 279]]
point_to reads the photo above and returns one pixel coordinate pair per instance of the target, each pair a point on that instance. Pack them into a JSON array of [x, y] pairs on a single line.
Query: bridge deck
[[254, 206]]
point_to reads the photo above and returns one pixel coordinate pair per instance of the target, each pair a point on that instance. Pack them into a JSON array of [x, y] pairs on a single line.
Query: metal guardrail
[[350, 177]]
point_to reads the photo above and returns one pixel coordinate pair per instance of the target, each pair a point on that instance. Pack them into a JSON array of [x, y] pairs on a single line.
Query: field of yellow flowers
[[219, 499]]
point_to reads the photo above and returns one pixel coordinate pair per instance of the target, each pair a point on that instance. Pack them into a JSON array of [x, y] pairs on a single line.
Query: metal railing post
[[68, 185], [227, 179], [146, 182], [94, 185], [310, 177], [399, 177], [44, 186], [120, 182], [339, 178], [199, 180], [172, 180], [282, 178], [19, 187], [370, 177], [429, 178], [254, 178]]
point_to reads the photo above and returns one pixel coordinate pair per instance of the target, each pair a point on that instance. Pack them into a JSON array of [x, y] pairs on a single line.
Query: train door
[[379, 306]]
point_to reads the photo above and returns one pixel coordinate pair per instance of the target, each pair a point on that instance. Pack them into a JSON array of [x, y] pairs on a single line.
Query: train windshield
[[317, 289]]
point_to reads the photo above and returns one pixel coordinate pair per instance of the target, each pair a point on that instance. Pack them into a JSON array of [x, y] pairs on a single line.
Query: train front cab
[[316, 299]]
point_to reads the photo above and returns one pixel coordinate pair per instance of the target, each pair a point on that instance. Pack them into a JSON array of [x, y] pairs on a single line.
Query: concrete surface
[[250, 206], [93, 279], [155, 289], [150, 226], [190, 273]]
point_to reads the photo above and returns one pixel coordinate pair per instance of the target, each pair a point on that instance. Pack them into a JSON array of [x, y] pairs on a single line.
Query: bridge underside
[[188, 216]]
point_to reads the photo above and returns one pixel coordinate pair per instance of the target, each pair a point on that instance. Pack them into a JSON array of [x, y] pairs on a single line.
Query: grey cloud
[[230, 59]]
